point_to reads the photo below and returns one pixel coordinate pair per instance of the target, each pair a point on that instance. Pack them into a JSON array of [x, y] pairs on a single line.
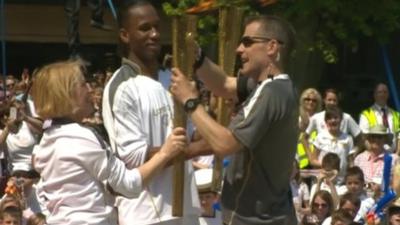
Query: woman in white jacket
[[78, 172]]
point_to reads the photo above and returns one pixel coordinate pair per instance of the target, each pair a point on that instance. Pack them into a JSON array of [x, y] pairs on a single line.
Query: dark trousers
[[72, 8]]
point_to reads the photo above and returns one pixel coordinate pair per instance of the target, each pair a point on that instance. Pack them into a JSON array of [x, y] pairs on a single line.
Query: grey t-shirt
[[257, 181]]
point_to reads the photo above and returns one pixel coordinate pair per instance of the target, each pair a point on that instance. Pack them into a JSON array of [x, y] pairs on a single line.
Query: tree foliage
[[337, 22]]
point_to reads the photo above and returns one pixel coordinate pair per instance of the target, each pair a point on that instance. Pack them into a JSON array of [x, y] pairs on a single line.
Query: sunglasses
[[317, 205], [310, 100], [248, 41]]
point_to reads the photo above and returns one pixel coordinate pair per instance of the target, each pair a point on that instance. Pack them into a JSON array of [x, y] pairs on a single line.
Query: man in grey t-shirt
[[261, 139]]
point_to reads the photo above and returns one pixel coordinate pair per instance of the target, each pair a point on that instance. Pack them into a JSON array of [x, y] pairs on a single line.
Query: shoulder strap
[[100, 140], [108, 153]]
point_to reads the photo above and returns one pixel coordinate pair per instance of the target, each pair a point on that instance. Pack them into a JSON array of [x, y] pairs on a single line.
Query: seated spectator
[[349, 203], [36, 219], [341, 217], [354, 181], [24, 176], [300, 192], [347, 124], [310, 103], [332, 140], [326, 180], [393, 215], [208, 198], [371, 161], [11, 81], [11, 200], [322, 205], [11, 215], [24, 134]]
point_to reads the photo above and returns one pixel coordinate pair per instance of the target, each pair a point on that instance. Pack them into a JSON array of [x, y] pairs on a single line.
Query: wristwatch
[[191, 104]]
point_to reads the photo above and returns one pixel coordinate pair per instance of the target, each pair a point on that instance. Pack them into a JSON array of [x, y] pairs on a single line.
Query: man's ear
[[124, 35], [272, 47]]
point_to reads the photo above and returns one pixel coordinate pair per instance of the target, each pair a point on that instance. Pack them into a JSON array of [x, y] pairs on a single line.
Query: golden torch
[[184, 30]]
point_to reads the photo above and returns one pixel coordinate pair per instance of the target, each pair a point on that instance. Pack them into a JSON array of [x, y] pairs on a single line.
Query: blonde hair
[[53, 88], [308, 92]]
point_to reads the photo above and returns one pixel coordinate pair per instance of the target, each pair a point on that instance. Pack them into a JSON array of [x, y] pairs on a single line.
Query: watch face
[[191, 104]]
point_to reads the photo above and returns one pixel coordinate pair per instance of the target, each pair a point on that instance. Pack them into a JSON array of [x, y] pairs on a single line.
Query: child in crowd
[[341, 217], [355, 184], [36, 219], [349, 203], [327, 178], [333, 140], [11, 216], [394, 215], [208, 198], [300, 192], [371, 161]]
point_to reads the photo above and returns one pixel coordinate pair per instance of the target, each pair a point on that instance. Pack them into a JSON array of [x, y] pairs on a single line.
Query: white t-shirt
[[217, 220], [20, 145], [366, 205], [73, 166], [348, 125], [300, 194], [143, 112], [340, 145]]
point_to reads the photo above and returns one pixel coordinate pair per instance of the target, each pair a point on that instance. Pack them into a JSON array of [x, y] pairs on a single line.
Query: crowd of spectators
[[339, 173]]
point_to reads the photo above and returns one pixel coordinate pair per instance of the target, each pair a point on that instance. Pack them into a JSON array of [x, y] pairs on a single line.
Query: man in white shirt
[[137, 113]]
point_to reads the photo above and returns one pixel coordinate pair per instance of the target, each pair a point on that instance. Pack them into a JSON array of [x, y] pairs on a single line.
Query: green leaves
[[335, 22]]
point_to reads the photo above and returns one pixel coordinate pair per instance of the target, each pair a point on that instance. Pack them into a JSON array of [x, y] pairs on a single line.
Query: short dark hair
[[333, 91], [332, 112], [123, 17], [355, 171], [124, 7], [331, 160], [279, 29], [393, 209]]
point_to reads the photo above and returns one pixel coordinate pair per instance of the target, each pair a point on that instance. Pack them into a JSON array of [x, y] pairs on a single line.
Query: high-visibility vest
[[301, 151], [371, 117]]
